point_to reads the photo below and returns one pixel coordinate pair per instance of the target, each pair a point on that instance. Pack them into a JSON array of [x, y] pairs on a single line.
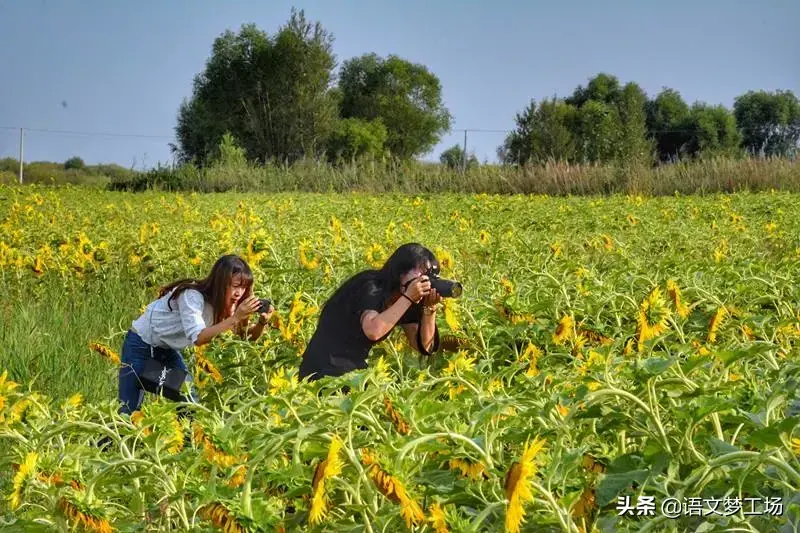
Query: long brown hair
[[214, 286]]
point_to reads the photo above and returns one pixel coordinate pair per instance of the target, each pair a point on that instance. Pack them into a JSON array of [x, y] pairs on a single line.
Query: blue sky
[[123, 67]]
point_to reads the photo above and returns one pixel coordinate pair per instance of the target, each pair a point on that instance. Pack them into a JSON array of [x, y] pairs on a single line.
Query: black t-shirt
[[339, 344]]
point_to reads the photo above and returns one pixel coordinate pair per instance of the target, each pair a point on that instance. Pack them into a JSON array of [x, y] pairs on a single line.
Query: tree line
[[277, 98], [607, 121]]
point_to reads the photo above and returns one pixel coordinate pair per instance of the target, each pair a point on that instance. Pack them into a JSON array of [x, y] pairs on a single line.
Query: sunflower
[[175, 437], [257, 246], [675, 295], [335, 226], [221, 517], [382, 370], [582, 509], [106, 352], [517, 485], [6, 386], [460, 363], [450, 314], [716, 322], [279, 383], [375, 255], [506, 285], [89, 521], [331, 466], [445, 259], [471, 470], [531, 355], [565, 330], [438, 519], [796, 446], [303, 251], [399, 423], [393, 489], [27, 470], [651, 317], [74, 401]]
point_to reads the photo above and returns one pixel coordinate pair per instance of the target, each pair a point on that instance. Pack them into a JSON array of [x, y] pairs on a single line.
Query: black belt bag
[[159, 379], [162, 380]]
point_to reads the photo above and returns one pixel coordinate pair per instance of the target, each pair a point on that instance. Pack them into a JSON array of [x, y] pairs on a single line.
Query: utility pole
[[464, 155], [21, 152]]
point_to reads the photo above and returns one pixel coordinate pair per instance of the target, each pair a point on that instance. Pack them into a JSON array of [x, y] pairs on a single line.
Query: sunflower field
[[608, 355]]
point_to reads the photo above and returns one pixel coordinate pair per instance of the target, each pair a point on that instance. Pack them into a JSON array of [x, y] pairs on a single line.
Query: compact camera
[[265, 305]]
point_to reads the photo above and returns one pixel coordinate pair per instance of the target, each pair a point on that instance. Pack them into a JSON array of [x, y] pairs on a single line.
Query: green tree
[[610, 123], [353, 138], [603, 88], [667, 116], [74, 163], [711, 130], [453, 158], [598, 132], [542, 133], [405, 96], [635, 144], [271, 93], [769, 122], [229, 153]]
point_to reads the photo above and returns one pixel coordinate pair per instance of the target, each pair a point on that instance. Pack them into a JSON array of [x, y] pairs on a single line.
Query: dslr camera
[[447, 288]]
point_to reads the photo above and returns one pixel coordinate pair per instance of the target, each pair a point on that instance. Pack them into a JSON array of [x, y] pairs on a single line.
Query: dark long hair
[[404, 259], [214, 286]]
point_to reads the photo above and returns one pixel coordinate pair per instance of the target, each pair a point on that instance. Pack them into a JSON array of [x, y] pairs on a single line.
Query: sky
[[106, 78]]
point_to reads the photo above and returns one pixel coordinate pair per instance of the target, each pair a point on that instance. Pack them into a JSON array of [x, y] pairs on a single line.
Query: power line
[[87, 133], [165, 137]]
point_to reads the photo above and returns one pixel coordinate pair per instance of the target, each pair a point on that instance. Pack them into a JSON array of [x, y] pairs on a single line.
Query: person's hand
[[246, 307], [419, 288], [432, 298], [263, 318]]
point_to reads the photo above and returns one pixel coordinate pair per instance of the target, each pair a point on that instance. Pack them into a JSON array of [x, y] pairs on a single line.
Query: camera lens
[[447, 288], [456, 290]]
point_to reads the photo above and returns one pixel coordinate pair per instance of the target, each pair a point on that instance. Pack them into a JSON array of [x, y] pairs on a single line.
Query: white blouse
[[176, 328]]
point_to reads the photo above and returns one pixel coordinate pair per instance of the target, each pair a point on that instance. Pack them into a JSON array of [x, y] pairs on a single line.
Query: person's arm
[[258, 327], [248, 305], [205, 336], [428, 333], [376, 325], [191, 309]]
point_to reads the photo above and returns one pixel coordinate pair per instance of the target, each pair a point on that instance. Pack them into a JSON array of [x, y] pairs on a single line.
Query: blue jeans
[[135, 353]]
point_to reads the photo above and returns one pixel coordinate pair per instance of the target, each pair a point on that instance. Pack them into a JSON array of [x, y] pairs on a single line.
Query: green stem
[[484, 514], [432, 436], [567, 524], [458, 380], [736, 434], [247, 508], [732, 457], [717, 426], [613, 391]]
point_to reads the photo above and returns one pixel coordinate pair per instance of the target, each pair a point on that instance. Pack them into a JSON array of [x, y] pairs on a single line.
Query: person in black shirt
[[367, 307]]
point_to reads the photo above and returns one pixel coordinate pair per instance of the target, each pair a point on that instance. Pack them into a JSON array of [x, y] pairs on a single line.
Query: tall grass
[[556, 179], [46, 328]]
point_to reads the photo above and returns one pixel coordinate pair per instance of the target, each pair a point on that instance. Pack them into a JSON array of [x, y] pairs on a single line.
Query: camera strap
[[435, 346]]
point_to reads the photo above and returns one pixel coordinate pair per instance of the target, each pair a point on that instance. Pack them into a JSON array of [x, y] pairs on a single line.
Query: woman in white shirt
[[188, 313]]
